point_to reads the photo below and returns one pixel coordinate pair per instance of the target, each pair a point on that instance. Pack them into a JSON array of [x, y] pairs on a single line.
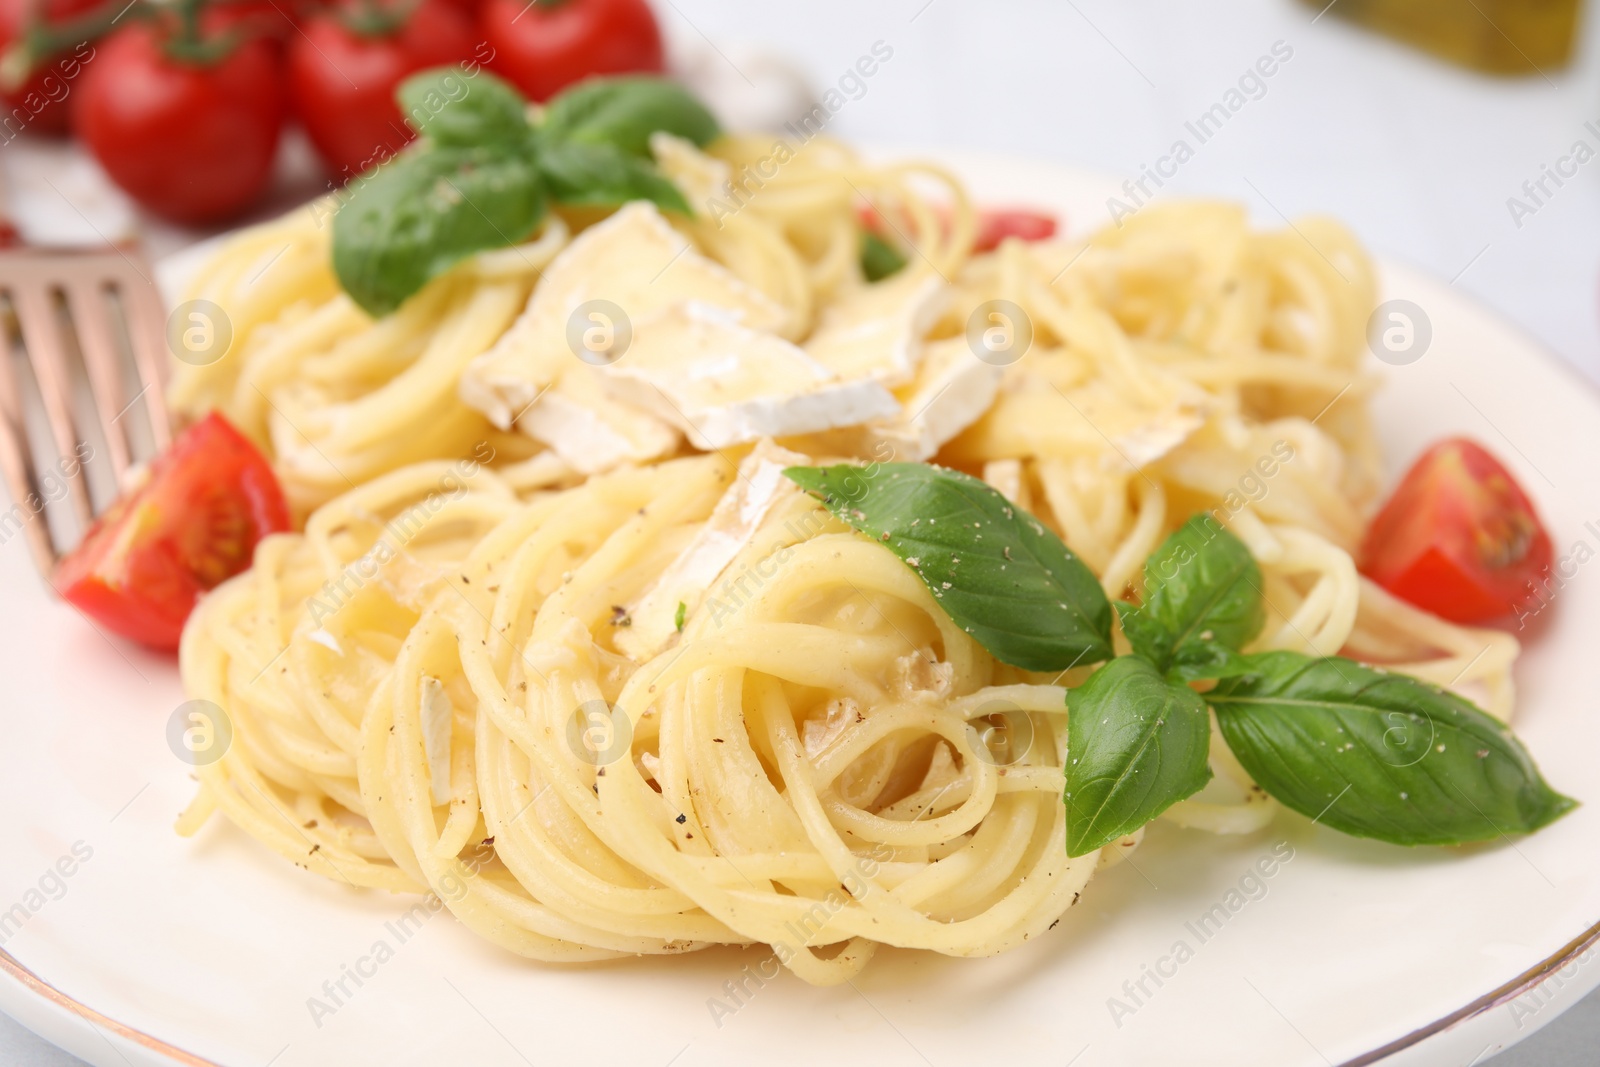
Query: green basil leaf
[[1201, 586], [879, 258], [415, 218], [1136, 745], [995, 569], [1199, 660], [603, 174], [450, 107], [625, 111], [1380, 755]]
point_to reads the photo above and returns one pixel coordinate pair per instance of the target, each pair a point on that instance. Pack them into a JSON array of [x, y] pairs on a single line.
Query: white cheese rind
[[725, 384], [635, 260], [592, 432], [759, 487], [952, 390], [876, 331]]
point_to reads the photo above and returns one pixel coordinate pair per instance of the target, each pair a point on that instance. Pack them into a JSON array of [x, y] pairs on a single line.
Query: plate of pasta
[[649, 594]]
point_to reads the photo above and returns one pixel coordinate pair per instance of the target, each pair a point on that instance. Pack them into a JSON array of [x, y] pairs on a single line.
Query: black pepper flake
[[718, 740], [682, 818], [619, 616], [1055, 924], [487, 841]]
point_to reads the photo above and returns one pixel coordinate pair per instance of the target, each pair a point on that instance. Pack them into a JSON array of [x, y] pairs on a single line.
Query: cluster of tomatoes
[[183, 102]]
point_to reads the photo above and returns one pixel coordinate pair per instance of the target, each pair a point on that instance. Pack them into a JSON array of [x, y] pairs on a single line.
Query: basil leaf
[[879, 258], [1201, 586], [624, 112], [602, 174], [1380, 755], [1136, 745], [450, 107], [995, 569], [413, 219]]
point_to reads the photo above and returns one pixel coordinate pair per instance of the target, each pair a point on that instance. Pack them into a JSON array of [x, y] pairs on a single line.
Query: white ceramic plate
[[1350, 952]]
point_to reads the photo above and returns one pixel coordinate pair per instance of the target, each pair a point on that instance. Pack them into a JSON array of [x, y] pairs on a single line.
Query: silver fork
[[99, 307]]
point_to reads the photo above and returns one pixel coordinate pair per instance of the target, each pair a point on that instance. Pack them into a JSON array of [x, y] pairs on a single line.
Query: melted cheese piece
[[437, 715], [724, 384], [591, 431], [952, 390], [635, 260], [876, 331], [759, 487]]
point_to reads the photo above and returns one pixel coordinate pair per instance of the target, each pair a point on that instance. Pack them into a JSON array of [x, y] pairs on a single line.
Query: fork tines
[[87, 329]]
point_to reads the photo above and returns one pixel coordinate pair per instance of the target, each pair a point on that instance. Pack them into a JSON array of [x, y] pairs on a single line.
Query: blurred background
[[1459, 136]]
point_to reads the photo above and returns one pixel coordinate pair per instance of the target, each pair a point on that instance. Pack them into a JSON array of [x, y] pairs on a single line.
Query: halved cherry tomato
[[543, 46], [346, 63], [1459, 537], [192, 525], [996, 224]]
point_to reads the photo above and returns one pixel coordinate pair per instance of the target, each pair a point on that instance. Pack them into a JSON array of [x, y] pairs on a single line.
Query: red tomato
[[40, 103], [192, 525], [343, 82], [1459, 537], [544, 46], [996, 224], [191, 141]]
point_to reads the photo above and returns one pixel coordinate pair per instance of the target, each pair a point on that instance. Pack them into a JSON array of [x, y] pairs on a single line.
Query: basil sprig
[[1137, 744], [482, 175], [1364, 751], [1380, 755], [1202, 592], [995, 569]]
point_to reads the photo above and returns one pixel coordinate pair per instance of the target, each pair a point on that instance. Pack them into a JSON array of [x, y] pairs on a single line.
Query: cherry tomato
[[189, 140], [40, 103], [342, 80], [996, 224], [192, 525], [1459, 537], [544, 46]]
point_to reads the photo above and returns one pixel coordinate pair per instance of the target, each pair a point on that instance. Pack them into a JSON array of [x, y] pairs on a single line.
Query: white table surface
[[1419, 158]]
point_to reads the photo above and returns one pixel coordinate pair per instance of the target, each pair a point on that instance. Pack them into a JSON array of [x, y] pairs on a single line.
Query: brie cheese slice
[[592, 432], [876, 331], [637, 263], [695, 366], [759, 487]]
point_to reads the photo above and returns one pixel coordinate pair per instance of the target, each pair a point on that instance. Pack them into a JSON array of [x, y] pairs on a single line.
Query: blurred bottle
[[1493, 36]]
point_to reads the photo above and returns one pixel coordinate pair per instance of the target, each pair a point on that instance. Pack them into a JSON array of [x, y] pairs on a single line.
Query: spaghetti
[[435, 687]]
